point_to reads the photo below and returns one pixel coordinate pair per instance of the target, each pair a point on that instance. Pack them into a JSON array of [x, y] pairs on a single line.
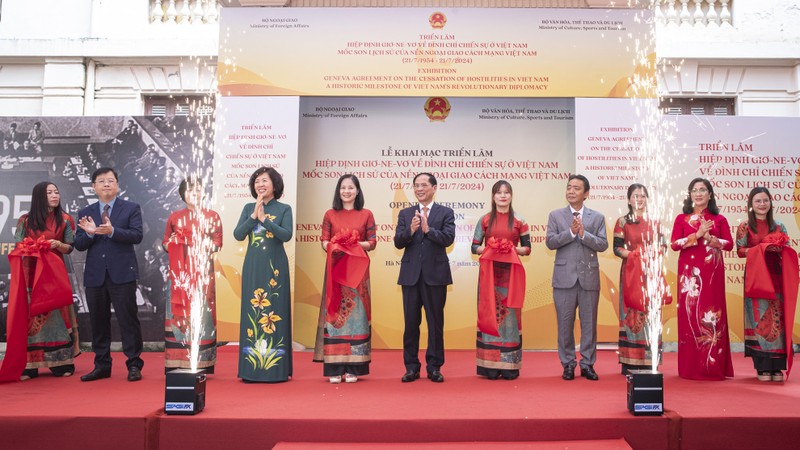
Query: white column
[[157, 13], [661, 18], [172, 13], [672, 14], [796, 88], [63, 87], [699, 17], [185, 13], [686, 18], [197, 12], [88, 96], [725, 15], [712, 17], [211, 11]]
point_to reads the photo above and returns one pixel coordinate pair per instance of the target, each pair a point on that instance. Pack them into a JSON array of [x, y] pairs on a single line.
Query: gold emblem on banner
[[437, 20], [437, 109]]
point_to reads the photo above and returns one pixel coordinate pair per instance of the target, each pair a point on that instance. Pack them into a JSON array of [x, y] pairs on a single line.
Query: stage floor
[[742, 412]]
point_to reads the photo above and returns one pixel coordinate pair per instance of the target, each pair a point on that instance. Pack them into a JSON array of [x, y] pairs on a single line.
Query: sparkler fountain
[[186, 388], [645, 393]]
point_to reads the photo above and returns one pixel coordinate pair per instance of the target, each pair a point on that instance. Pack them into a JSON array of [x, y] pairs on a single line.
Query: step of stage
[[603, 444]]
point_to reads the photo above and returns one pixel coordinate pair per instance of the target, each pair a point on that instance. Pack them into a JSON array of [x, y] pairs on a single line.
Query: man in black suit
[[14, 136], [108, 230], [424, 231]]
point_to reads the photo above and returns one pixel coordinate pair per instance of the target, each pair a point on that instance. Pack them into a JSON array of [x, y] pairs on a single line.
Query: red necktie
[[105, 214]]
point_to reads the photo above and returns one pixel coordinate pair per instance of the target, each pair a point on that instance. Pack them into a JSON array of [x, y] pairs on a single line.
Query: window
[[171, 106], [698, 106]]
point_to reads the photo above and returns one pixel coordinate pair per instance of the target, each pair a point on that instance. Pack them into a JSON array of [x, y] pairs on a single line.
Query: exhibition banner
[[735, 153], [251, 132], [470, 52], [475, 143]]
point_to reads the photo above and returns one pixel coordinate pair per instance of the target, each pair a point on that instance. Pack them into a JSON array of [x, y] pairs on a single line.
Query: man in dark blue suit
[[424, 231], [108, 230]]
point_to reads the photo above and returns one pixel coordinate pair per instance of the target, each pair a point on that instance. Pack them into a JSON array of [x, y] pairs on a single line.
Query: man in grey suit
[[577, 234]]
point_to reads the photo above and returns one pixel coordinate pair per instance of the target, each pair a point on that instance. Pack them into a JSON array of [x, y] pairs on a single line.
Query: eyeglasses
[[699, 191], [422, 186], [106, 181]]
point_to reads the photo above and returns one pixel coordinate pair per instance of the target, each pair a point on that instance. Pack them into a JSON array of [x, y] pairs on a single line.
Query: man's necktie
[[105, 213], [577, 215], [425, 211]]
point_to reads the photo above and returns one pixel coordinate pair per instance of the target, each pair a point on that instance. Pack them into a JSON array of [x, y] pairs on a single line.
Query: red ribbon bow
[[504, 251], [345, 237], [500, 245], [776, 238], [183, 236], [32, 247], [346, 265]]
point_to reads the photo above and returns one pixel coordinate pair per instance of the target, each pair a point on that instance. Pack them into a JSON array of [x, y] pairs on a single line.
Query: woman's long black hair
[[37, 216], [688, 205], [751, 215], [493, 215], [338, 205], [631, 216]]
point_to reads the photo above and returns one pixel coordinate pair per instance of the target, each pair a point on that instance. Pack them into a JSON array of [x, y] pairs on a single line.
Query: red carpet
[[49, 412]]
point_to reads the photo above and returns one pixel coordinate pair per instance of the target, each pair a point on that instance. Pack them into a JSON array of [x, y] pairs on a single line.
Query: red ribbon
[[504, 251], [178, 267], [633, 293], [758, 283], [50, 290], [347, 269]]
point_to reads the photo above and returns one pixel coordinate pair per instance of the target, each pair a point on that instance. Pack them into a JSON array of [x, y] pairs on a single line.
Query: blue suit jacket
[[425, 255], [114, 255]]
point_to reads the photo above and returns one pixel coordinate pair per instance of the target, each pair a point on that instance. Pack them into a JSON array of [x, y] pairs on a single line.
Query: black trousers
[[765, 364], [123, 297], [415, 299]]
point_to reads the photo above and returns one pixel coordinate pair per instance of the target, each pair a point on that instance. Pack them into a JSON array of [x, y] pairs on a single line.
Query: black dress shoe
[[410, 376], [96, 374], [134, 374], [569, 373], [589, 373], [510, 374], [436, 376]]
